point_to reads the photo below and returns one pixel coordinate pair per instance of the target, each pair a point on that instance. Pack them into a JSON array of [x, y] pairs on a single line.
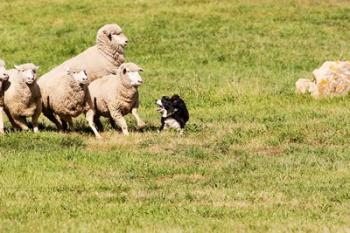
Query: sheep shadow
[[83, 128]]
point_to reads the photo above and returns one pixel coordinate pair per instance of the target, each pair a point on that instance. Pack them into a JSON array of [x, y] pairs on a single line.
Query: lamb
[[114, 96], [3, 79], [67, 97], [22, 96], [99, 60]]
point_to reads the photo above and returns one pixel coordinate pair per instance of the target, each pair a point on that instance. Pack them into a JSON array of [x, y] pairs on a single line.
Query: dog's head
[[169, 105], [166, 106]]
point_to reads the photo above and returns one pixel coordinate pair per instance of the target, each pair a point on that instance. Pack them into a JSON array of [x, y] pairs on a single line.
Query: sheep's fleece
[[99, 60], [22, 96], [3, 79], [114, 96], [64, 95], [67, 97]]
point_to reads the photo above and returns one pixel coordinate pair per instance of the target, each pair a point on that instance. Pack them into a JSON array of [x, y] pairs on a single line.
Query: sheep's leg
[[1, 120], [98, 123], [70, 123], [140, 123], [64, 125], [35, 117], [52, 118], [9, 116], [90, 118], [64, 120], [120, 120], [20, 122], [112, 122]]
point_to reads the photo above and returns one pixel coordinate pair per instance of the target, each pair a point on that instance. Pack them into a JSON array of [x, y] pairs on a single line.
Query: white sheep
[[99, 60], [114, 96], [3, 79], [67, 97], [22, 96]]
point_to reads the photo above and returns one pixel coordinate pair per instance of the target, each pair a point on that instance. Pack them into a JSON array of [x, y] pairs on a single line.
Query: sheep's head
[[112, 35], [28, 71], [3, 73], [130, 73], [79, 75]]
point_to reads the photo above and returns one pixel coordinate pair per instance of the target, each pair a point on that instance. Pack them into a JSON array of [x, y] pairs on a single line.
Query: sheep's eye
[[34, 71]]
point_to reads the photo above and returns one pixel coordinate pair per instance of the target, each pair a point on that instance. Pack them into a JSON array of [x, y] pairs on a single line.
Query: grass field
[[255, 157]]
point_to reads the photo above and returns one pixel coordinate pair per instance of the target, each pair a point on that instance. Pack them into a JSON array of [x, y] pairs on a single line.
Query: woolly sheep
[[114, 96], [67, 97], [22, 96], [99, 60], [3, 79]]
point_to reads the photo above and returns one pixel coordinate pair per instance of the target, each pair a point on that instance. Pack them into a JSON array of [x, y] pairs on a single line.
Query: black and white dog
[[174, 113]]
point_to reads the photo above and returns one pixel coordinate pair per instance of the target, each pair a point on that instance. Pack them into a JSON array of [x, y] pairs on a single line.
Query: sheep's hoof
[[36, 130]]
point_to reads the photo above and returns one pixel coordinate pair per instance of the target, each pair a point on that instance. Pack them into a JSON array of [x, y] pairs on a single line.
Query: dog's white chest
[[172, 123]]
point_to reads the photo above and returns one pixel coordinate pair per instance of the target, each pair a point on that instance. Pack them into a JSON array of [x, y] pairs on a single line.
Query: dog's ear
[[175, 98]]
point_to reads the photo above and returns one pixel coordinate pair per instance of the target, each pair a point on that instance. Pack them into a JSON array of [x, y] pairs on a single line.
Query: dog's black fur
[[175, 108]]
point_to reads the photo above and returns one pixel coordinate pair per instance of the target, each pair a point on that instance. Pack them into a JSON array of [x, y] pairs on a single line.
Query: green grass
[[255, 157]]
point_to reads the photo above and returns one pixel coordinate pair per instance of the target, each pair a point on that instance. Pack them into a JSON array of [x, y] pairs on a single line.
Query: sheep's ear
[[37, 67], [140, 69]]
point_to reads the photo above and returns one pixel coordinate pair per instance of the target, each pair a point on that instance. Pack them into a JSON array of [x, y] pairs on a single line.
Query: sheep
[[3, 79], [67, 97], [114, 96], [22, 96], [99, 60]]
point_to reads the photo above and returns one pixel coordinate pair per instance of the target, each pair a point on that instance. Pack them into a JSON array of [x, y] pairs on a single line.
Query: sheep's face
[[118, 39], [131, 72], [3, 74], [80, 76], [28, 71], [116, 36]]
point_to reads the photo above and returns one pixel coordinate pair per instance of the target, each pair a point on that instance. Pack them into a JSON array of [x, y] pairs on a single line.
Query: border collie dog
[[174, 113]]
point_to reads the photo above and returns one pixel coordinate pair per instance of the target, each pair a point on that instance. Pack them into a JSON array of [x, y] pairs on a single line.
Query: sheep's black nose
[[126, 41]]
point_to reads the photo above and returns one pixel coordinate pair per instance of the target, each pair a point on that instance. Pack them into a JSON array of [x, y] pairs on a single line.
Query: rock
[[304, 86], [332, 79]]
